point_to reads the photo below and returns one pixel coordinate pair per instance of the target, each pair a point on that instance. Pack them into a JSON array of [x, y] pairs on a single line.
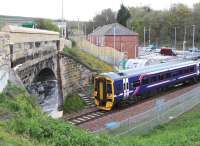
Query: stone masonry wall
[[75, 76]]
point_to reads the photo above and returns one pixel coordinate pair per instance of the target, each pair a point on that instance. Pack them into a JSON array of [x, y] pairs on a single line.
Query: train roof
[[150, 69]]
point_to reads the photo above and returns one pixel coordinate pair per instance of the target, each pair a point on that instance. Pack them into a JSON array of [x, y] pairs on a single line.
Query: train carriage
[[112, 88]]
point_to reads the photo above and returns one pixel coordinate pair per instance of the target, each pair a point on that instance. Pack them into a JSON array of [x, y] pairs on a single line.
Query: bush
[[89, 60], [73, 102], [73, 43]]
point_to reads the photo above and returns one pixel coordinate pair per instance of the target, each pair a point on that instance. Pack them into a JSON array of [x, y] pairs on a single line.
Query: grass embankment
[[89, 60], [27, 125], [183, 131], [73, 103]]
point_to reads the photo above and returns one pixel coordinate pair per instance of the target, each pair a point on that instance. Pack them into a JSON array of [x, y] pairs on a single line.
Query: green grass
[[183, 131], [12, 139], [29, 126], [73, 103], [89, 60]]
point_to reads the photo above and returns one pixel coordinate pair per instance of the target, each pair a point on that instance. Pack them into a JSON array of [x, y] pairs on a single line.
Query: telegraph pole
[[78, 25], [62, 17], [62, 9], [114, 45], [175, 38], [184, 41], [149, 35], [193, 35], [144, 36]]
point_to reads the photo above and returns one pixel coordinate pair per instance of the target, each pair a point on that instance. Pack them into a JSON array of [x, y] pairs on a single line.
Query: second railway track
[[87, 117]]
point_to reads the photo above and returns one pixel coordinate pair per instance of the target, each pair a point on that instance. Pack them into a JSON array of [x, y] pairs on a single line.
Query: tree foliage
[[163, 23], [123, 15], [47, 24], [107, 16]]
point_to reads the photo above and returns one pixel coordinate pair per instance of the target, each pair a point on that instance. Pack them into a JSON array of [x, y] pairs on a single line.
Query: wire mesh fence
[[107, 54], [161, 113]]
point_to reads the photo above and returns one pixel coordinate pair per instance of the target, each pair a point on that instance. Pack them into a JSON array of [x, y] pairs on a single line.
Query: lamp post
[[175, 38], [114, 44], [144, 36], [149, 35], [193, 36]]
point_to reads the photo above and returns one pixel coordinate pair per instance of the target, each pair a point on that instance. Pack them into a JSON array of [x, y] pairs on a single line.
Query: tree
[[47, 24], [123, 15], [107, 16]]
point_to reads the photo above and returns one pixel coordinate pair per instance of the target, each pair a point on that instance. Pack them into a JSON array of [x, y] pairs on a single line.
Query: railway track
[[78, 120], [87, 117]]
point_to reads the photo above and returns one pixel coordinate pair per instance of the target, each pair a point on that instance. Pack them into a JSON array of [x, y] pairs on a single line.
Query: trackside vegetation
[[23, 124], [27, 125], [88, 60], [183, 131], [73, 103]]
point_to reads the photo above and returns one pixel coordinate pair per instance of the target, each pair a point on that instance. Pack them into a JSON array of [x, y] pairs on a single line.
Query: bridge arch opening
[[45, 87], [44, 75]]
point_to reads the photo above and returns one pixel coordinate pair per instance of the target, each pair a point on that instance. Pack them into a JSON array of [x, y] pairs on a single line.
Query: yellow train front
[[104, 92]]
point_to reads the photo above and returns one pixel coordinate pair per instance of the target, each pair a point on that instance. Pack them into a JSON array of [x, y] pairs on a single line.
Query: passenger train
[[135, 84]]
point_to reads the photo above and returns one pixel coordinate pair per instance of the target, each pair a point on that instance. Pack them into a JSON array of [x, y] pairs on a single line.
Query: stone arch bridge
[[36, 55]]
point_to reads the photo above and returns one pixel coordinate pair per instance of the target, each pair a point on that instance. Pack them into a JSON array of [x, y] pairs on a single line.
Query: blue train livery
[[112, 88]]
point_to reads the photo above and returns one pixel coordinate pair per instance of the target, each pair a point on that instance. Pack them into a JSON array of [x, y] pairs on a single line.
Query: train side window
[[186, 70], [161, 77], [119, 89], [191, 69], [173, 73], [134, 84], [153, 79], [124, 86], [180, 72], [168, 75], [145, 81], [131, 86]]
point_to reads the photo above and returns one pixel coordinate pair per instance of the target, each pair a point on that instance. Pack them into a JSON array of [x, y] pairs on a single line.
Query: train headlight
[[95, 93], [109, 105]]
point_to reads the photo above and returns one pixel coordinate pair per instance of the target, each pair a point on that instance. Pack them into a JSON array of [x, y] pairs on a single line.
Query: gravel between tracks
[[133, 110]]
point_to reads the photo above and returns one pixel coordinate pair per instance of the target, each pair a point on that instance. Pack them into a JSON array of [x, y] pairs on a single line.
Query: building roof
[[108, 30], [19, 29]]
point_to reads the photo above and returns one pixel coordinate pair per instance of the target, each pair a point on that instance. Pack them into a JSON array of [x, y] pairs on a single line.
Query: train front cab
[[104, 93]]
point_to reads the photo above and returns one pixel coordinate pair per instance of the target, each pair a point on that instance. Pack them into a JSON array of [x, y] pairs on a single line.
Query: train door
[[102, 89], [126, 87]]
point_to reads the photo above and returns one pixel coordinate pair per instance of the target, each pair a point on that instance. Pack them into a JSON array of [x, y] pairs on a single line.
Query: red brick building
[[116, 36]]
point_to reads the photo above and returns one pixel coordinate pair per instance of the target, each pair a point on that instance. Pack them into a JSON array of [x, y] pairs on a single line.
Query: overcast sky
[[76, 9]]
